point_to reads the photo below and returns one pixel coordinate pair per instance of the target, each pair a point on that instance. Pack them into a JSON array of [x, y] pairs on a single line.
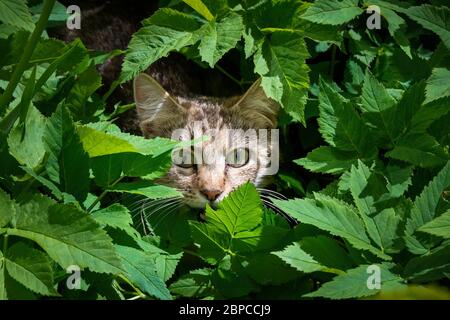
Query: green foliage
[[365, 142]]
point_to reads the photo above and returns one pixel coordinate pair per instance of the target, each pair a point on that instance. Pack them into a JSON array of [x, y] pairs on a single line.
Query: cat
[[175, 93], [233, 157]]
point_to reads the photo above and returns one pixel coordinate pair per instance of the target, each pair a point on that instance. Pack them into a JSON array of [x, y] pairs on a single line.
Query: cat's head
[[237, 151]]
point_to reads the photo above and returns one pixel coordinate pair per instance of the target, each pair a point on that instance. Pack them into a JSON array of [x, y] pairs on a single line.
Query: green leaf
[[403, 114], [140, 269], [396, 24], [31, 268], [220, 36], [239, 212], [328, 252], [332, 12], [113, 142], [424, 208], [340, 125], [108, 169], [116, 216], [195, 284], [420, 149], [167, 17], [429, 267], [438, 85], [367, 188], [376, 101], [30, 150], [327, 159], [331, 215], [67, 164], [68, 235], [77, 100], [436, 19], [7, 208], [280, 60], [354, 284], [428, 114], [151, 43], [147, 189], [234, 228], [200, 7], [439, 226], [16, 13], [3, 292], [294, 256], [425, 204], [45, 182]]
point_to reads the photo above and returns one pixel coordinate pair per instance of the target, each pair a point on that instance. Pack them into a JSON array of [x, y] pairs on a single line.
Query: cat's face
[[237, 150]]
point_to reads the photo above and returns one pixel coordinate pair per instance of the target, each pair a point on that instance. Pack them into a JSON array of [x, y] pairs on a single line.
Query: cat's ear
[[256, 108], [157, 110]]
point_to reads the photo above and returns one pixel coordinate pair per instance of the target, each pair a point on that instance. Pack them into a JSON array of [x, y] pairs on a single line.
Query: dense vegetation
[[365, 129]]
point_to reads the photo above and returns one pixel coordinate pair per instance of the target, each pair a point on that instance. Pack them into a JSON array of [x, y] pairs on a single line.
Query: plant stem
[[5, 244], [239, 83], [333, 60], [103, 194], [5, 99]]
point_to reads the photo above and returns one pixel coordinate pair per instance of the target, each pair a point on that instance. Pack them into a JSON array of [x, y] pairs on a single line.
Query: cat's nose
[[212, 195]]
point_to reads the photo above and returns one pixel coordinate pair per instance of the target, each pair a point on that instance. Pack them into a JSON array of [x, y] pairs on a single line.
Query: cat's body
[[176, 94]]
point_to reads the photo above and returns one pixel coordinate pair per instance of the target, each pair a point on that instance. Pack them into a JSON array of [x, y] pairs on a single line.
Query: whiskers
[[266, 196], [157, 210]]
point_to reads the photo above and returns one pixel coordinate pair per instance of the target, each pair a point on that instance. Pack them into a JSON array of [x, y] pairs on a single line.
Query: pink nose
[[211, 195]]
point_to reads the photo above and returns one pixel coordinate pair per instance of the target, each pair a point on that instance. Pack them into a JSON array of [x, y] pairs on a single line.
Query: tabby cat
[[175, 94]]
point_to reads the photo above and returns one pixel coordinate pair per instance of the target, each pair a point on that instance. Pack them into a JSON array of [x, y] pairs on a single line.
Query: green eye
[[183, 158], [237, 158]]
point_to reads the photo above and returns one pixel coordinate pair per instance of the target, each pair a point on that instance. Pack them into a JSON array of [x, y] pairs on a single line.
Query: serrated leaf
[[332, 12], [429, 267], [68, 235], [424, 208], [67, 164], [354, 284], [340, 125], [113, 142], [151, 43], [109, 168], [16, 13], [367, 189], [235, 227], [331, 215], [195, 284], [280, 60], [30, 150], [116, 216], [7, 208], [294, 256], [140, 269], [220, 36], [147, 189], [439, 226], [77, 100], [376, 103], [327, 159], [31, 268], [438, 85], [200, 7], [396, 24], [436, 19], [327, 251], [240, 212], [420, 149], [428, 114]]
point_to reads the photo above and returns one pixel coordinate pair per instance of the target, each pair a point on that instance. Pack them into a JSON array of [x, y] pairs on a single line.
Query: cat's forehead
[[204, 114]]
